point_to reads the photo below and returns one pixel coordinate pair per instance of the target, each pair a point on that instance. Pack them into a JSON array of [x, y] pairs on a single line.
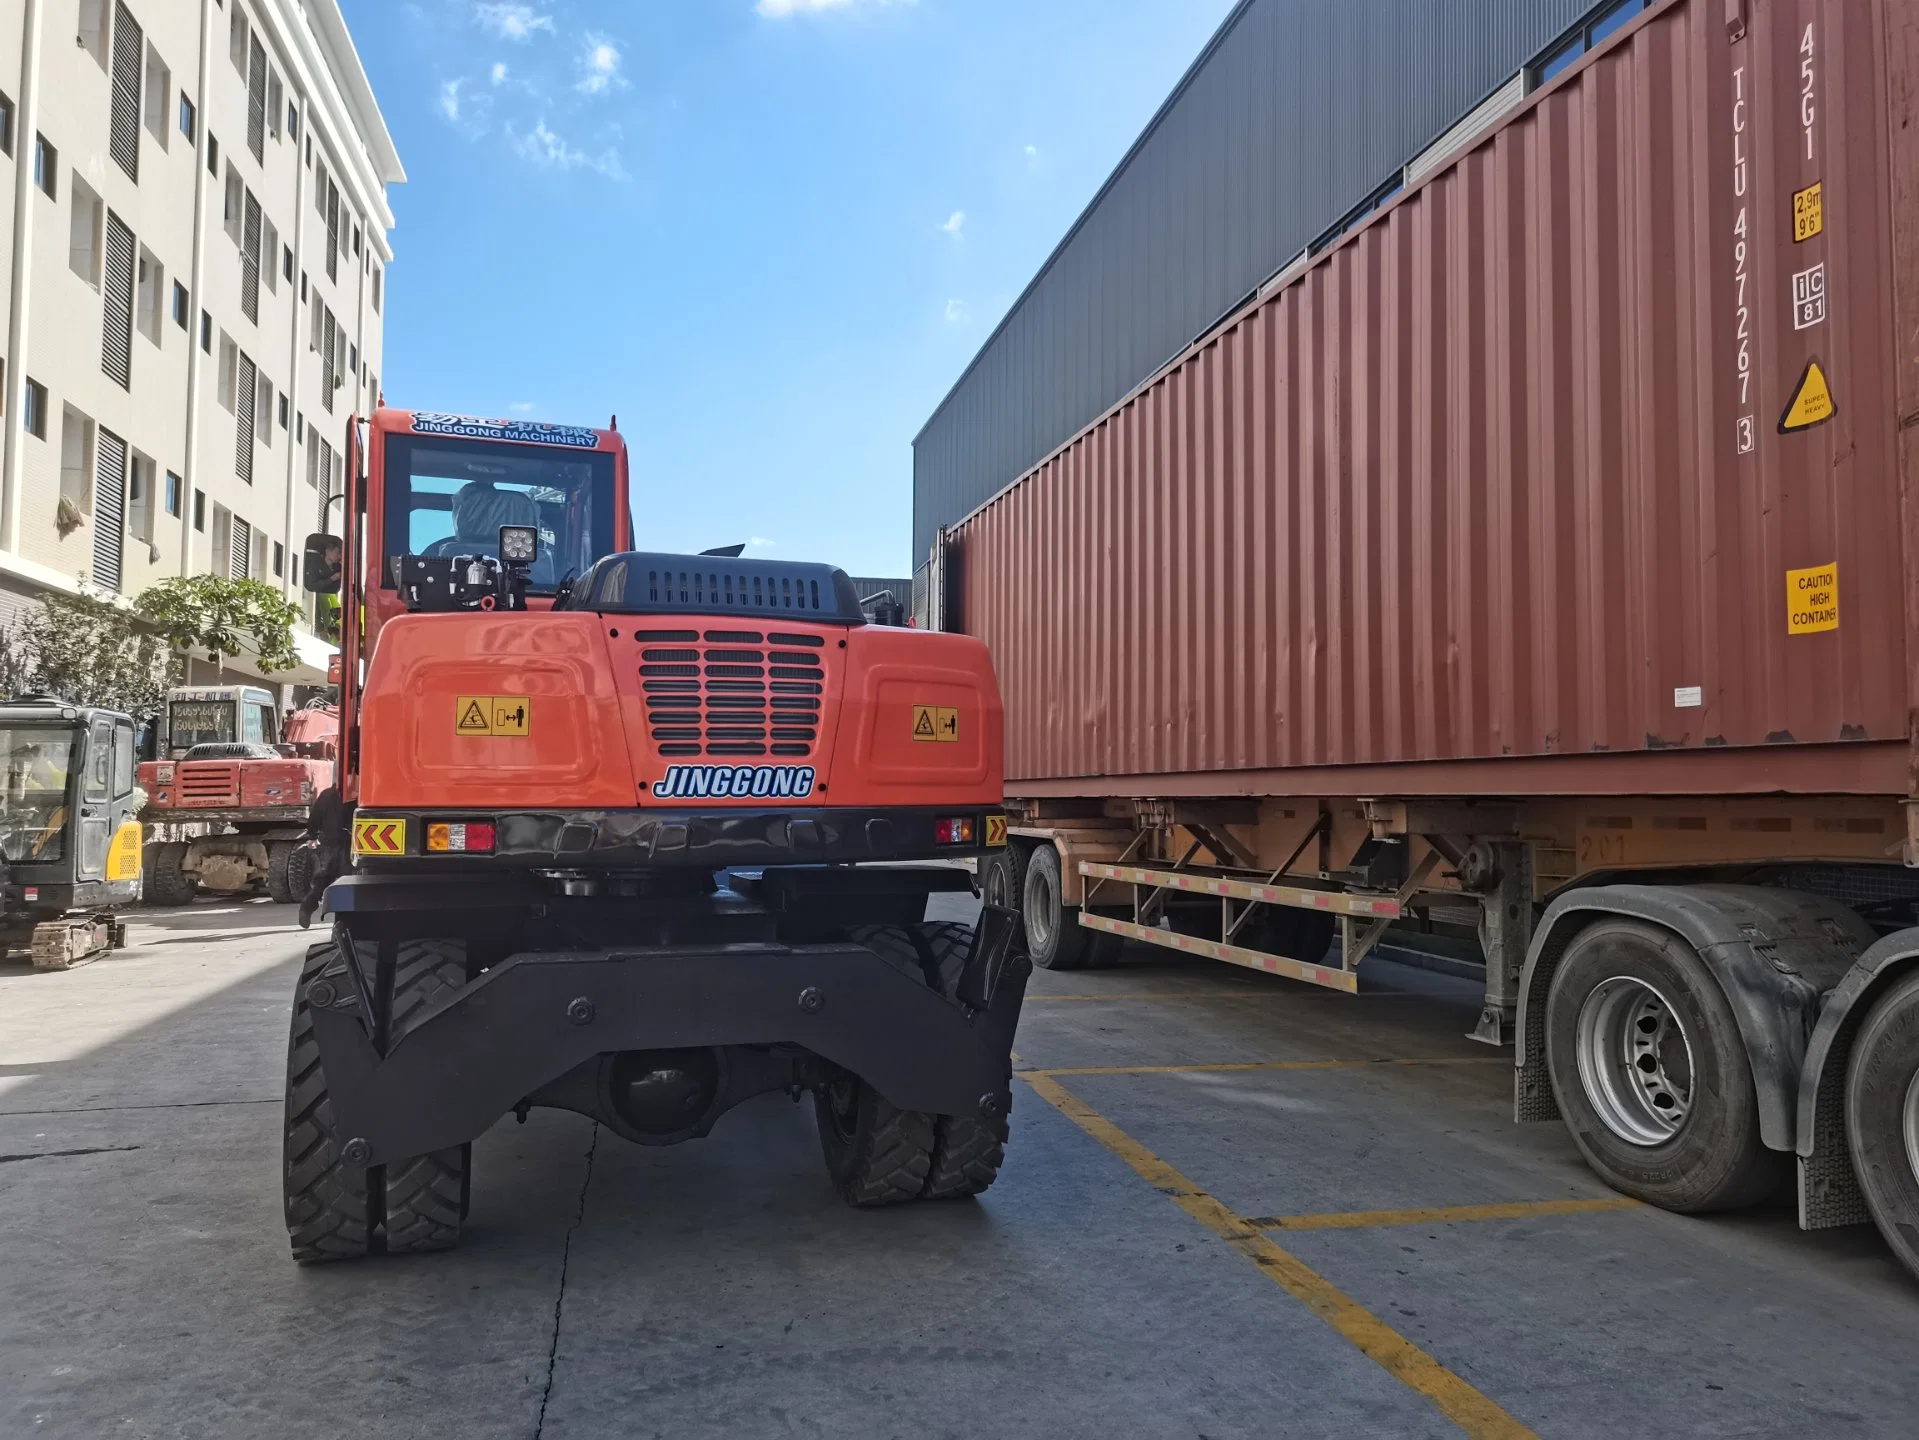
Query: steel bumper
[[477, 1054]]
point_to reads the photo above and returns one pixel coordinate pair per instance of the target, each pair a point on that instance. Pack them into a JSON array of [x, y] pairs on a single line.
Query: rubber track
[[423, 1195], [326, 1202]]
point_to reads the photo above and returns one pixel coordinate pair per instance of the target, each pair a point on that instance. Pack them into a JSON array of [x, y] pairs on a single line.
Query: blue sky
[[767, 234]]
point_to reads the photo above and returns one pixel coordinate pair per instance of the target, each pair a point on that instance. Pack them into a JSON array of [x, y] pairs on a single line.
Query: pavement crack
[[55, 1154], [559, 1300]]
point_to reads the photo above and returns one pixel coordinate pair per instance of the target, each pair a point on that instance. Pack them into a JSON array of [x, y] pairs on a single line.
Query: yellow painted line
[[1459, 1402], [1256, 1065], [1442, 1214]]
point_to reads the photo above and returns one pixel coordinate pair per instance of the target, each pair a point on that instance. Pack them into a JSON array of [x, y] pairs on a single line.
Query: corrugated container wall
[[1296, 112], [1519, 469]]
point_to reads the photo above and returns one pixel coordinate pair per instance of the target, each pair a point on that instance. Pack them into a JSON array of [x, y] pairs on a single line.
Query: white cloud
[[955, 224], [785, 9], [955, 310], [1032, 157], [521, 407], [511, 20], [499, 72], [450, 100], [760, 542], [543, 147], [599, 67]]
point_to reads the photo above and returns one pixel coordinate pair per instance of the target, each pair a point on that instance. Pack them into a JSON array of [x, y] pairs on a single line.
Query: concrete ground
[[1233, 1206]]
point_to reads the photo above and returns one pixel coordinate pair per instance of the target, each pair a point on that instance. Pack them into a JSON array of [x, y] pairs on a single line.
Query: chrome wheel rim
[[1635, 1062], [1911, 1126]]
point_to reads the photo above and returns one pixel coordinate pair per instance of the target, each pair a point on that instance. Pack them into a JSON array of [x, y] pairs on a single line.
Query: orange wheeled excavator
[[611, 813]]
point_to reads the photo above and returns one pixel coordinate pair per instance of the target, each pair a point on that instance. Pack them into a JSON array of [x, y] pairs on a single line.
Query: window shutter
[[129, 49], [250, 260], [109, 507], [240, 558], [326, 478], [116, 307], [243, 414], [328, 343], [332, 231], [257, 101]]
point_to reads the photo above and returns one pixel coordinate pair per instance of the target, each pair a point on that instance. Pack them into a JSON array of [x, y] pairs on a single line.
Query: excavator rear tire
[[338, 1211], [168, 882], [879, 1154]]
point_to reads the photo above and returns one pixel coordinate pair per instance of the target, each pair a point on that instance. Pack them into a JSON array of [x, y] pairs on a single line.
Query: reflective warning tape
[[379, 837]]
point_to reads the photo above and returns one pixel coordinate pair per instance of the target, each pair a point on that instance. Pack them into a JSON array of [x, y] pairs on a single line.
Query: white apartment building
[[195, 258]]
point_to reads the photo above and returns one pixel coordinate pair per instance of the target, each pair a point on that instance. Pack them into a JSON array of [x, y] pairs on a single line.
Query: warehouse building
[[1298, 120], [196, 264]]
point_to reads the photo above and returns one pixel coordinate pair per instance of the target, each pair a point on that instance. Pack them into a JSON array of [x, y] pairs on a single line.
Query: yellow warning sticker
[[378, 837], [1811, 404], [508, 715], [935, 723], [1808, 212], [995, 830], [1812, 600]]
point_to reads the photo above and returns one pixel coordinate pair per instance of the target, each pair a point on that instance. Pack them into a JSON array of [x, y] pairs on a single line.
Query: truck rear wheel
[[879, 1154], [168, 881], [1882, 1117], [279, 877], [1055, 940], [1651, 1073], [339, 1211]]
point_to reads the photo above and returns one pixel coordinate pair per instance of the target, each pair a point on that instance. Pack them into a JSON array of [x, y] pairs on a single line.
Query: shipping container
[[1548, 545]]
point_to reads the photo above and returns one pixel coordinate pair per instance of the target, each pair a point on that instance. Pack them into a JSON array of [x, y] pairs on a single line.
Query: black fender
[[1775, 954], [1828, 1191]]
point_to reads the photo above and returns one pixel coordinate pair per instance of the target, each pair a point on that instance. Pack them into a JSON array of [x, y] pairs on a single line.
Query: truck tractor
[[68, 836], [227, 807], [612, 810]]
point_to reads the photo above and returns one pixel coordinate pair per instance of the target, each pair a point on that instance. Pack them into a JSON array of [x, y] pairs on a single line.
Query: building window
[[206, 332], [283, 411], [213, 153], [77, 436], [293, 121], [6, 125], [186, 117], [264, 410], [85, 233], [356, 239], [46, 167], [227, 394], [303, 285], [276, 103], [159, 87], [200, 510], [173, 493], [236, 203], [36, 409], [140, 498], [279, 558], [182, 306], [149, 305], [286, 262], [377, 272], [237, 39], [299, 427]]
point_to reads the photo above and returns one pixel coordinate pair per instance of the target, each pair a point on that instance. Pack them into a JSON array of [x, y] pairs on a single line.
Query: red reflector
[[957, 830], [479, 835]]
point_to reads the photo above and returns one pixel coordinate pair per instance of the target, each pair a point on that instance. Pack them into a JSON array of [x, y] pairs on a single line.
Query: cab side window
[[99, 760], [256, 723], [123, 758]]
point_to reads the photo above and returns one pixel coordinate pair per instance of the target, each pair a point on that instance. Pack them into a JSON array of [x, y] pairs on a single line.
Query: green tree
[[88, 651], [224, 617]]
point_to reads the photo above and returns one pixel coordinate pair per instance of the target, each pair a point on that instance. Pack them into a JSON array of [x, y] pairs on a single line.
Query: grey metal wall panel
[[1296, 111]]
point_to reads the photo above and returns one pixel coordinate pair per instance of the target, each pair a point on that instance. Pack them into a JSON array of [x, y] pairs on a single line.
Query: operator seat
[[479, 510]]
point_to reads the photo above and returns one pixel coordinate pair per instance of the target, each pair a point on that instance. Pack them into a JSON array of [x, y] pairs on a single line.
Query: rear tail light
[[953, 830], [464, 837]]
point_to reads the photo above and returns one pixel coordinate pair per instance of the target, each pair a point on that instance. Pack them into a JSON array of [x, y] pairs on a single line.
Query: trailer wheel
[[1651, 1074], [328, 1213], [1055, 940], [299, 871], [167, 881], [1882, 1117], [1002, 878], [425, 1197], [279, 877]]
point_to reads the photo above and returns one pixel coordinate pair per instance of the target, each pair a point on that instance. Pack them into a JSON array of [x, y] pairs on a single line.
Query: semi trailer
[[1547, 545]]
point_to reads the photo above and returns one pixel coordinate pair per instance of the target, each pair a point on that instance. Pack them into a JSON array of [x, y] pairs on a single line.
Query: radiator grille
[[203, 783], [732, 694]]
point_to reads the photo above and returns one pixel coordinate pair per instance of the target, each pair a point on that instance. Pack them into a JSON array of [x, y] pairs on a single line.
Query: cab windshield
[[450, 497], [199, 722], [34, 766]]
